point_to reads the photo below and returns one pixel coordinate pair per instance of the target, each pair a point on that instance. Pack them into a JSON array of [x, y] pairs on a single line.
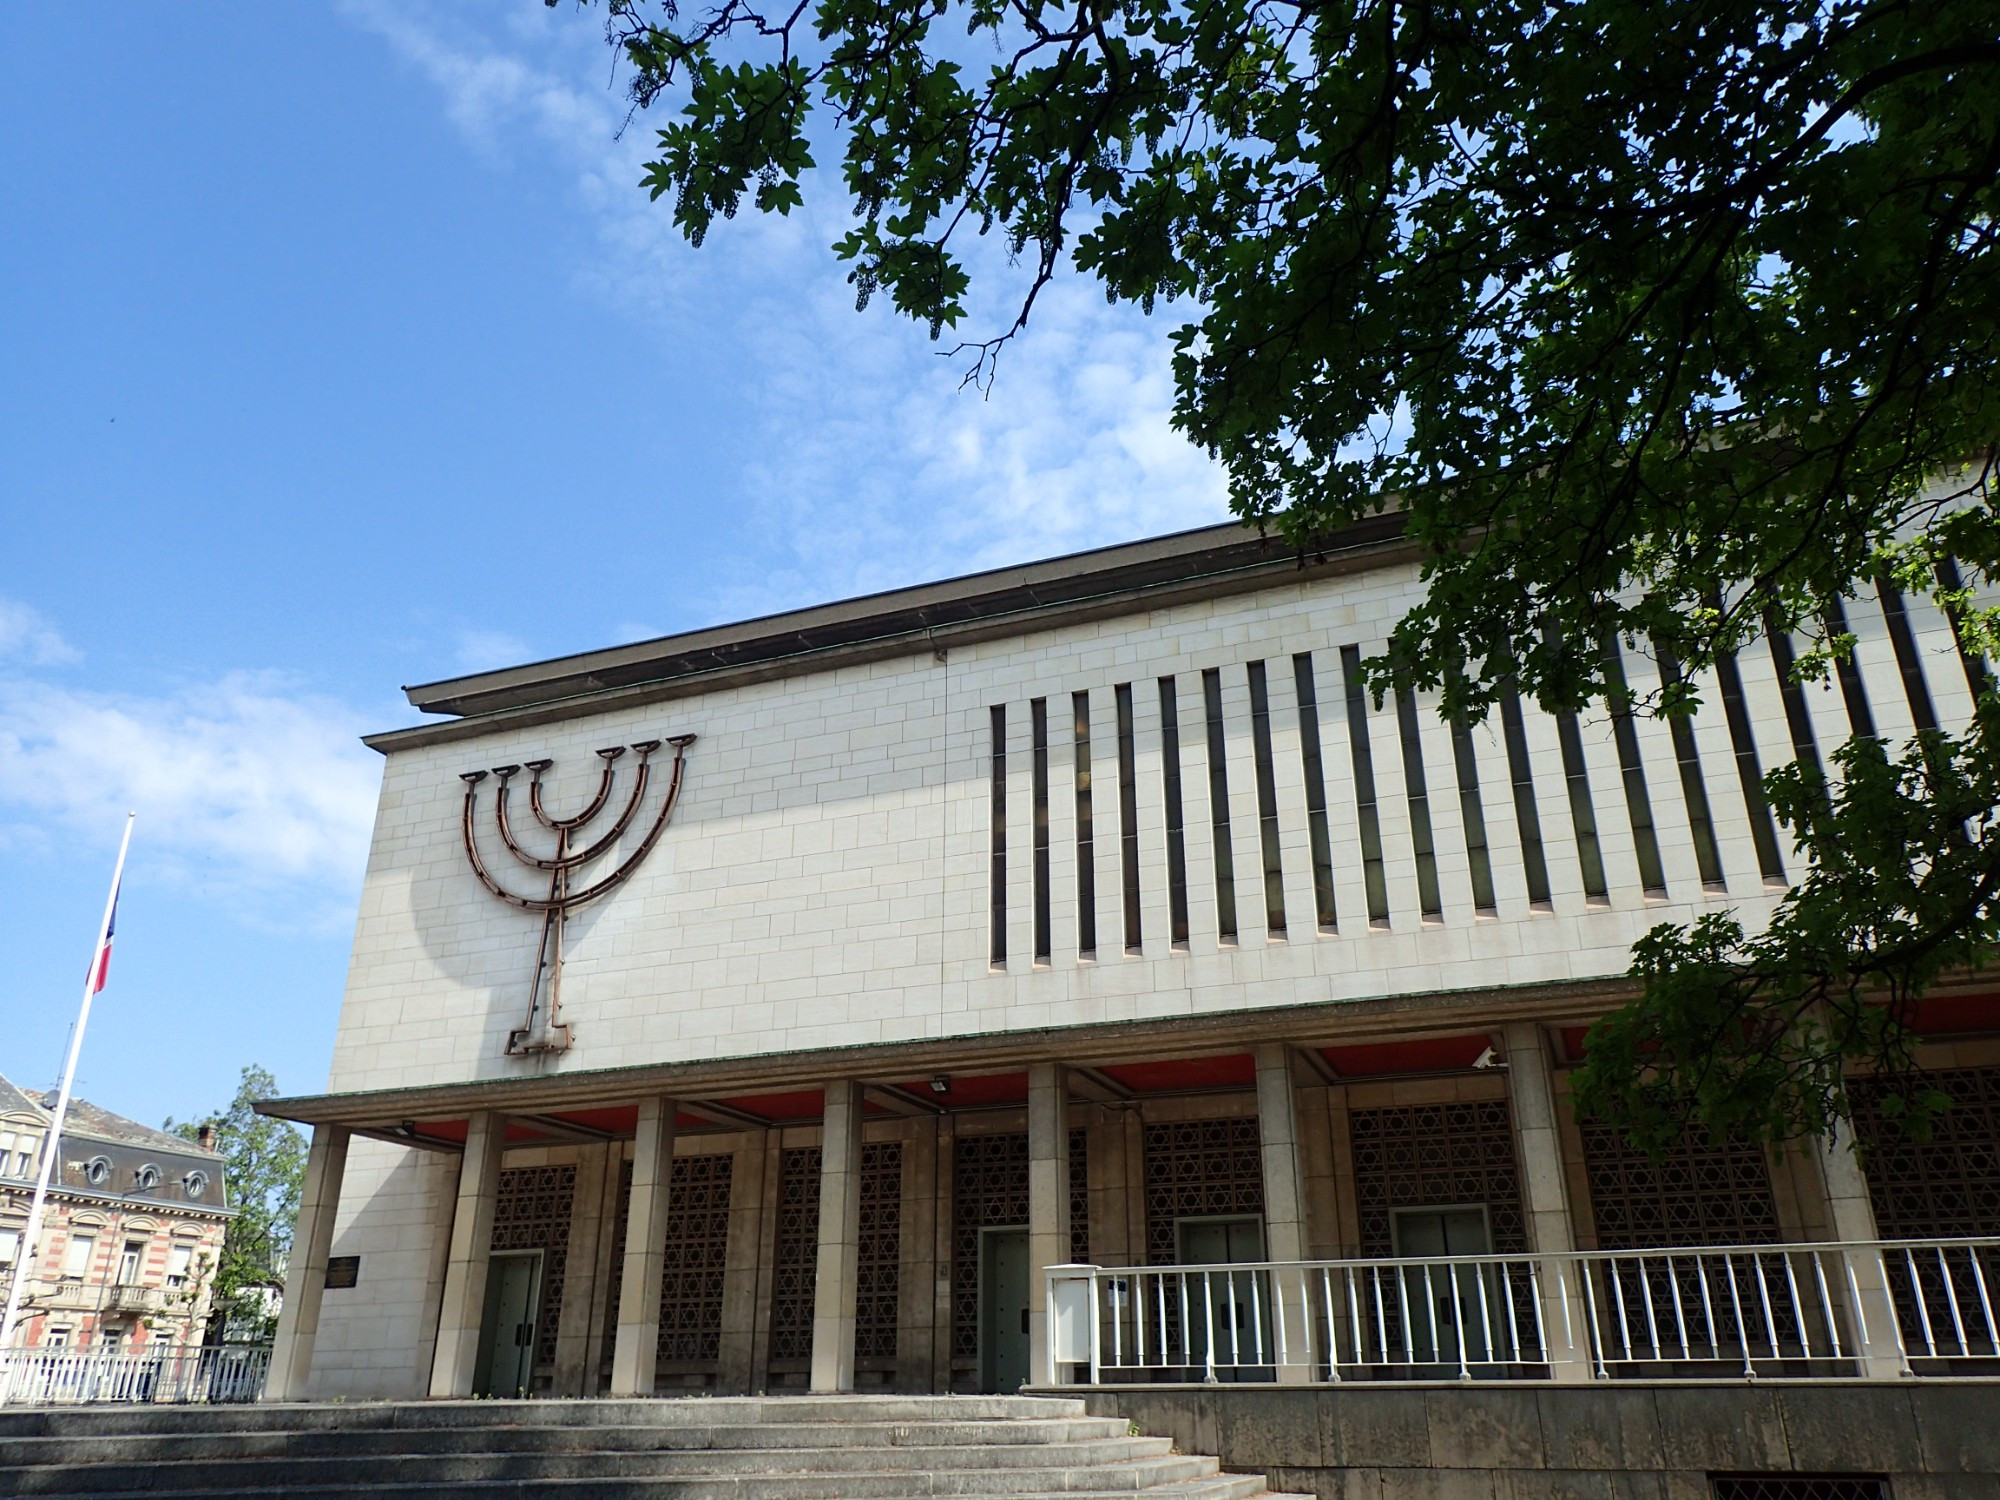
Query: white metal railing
[[1906, 1307], [188, 1373]]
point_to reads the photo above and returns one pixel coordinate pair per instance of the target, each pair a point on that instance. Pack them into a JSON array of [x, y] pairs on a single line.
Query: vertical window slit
[[1638, 804], [1170, 776], [998, 950], [1472, 813], [1267, 801], [1086, 842], [1707, 857], [1848, 665], [1798, 719], [1908, 663], [1582, 815], [1977, 676], [1416, 792], [1218, 807], [1366, 812], [1763, 832], [1315, 774], [1128, 815], [1038, 723], [1527, 817]]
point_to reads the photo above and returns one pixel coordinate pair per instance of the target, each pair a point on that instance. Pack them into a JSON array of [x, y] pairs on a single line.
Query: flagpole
[[24, 1258]]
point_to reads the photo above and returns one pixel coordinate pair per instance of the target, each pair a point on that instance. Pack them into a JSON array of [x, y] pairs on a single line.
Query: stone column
[[735, 1366], [635, 1352], [1545, 1198], [1284, 1211], [1048, 1202], [837, 1281], [290, 1378], [1852, 1215], [463, 1307], [580, 1286]]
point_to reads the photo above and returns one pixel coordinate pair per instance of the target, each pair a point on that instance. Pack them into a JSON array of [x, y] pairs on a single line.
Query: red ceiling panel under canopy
[[1186, 1075], [1443, 1054], [977, 1091]]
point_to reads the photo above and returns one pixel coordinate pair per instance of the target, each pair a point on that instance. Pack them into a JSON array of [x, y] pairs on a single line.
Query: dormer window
[[97, 1171], [196, 1183], [146, 1178]]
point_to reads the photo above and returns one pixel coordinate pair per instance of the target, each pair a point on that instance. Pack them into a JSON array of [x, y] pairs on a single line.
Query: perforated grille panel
[[1197, 1169], [1704, 1192], [1079, 1197], [1799, 1487], [532, 1212], [697, 1252], [1948, 1185], [989, 1190], [795, 1266], [875, 1308], [1435, 1155]]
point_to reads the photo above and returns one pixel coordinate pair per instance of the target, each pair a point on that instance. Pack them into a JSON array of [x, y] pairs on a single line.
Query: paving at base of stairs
[[693, 1448]]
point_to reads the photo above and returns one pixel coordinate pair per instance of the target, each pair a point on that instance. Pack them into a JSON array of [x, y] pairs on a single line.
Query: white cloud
[[25, 636], [484, 650], [248, 788]]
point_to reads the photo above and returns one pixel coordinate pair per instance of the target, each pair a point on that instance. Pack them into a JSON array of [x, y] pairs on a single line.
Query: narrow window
[[1309, 757], [1582, 815], [1086, 843], [1038, 723], [1128, 815], [1852, 690], [1976, 676], [1170, 775], [1364, 787], [1707, 857], [1526, 817], [1908, 663], [1639, 805], [1417, 791], [998, 875], [1267, 801], [1473, 815], [1762, 831], [1793, 692], [1218, 807]]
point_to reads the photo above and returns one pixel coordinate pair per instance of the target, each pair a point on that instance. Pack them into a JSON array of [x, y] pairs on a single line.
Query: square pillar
[[1048, 1201], [580, 1286], [837, 1282], [1545, 1198], [743, 1273], [454, 1362], [305, 1278], [1852, 1215], [1285, 1236], [635, 1352]]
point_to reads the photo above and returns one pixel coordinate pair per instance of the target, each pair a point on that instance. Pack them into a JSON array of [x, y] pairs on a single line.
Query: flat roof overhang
[[1212, 562]]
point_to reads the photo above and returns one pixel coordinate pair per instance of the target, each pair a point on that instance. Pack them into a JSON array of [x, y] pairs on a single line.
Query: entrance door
[[1449, 1305], [1003, 1310], [507, 1331], [1238, 1305]]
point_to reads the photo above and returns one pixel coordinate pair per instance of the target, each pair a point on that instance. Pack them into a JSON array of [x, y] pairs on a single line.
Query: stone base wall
[[1933, 1440]]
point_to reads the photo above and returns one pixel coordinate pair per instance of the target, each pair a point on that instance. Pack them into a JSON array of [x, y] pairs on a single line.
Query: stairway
[[719, 1448]]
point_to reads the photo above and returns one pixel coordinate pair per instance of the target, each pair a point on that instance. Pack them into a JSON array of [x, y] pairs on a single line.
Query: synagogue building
[[771, 1007]]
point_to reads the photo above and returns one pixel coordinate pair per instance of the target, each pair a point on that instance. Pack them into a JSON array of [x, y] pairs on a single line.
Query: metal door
[[1448, 1308], [507, 1330], [1003, 1310], [1235, 1304]]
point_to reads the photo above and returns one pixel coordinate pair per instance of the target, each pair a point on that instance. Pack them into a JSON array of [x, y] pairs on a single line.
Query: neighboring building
[[130, 1235], [1087, 910]]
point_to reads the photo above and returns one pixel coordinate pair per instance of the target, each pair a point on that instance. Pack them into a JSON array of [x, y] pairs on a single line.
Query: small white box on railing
[[1070, 1314]]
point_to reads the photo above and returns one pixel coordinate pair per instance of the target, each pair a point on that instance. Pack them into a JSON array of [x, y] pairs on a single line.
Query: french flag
[[101, 969]]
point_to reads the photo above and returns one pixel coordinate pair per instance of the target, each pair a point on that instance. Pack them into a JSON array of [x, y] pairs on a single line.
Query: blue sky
[[338, 350]]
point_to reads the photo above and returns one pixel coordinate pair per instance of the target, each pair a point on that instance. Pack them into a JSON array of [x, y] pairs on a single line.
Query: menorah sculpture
[[545, 1030]]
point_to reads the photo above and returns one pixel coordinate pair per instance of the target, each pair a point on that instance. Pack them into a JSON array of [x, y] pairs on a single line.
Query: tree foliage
[[264, 1164], [1667, 324]]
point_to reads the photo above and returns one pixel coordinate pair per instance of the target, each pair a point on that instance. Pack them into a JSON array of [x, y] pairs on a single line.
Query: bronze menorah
[[545, 1031]]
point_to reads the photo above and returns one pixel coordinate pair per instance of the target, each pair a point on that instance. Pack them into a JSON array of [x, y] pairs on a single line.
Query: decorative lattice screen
[[1799, 1487], [881, 1251], [532, 1212], [1436, 1155], [796, 1256], [1198, 1169], [1947, 1185], [697, 1253], [1079, 1197], [1703, 1192], [989, 1190]]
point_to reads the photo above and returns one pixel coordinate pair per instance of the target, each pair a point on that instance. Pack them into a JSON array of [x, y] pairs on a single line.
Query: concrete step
[[107, 1447], [1220, 1487]]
